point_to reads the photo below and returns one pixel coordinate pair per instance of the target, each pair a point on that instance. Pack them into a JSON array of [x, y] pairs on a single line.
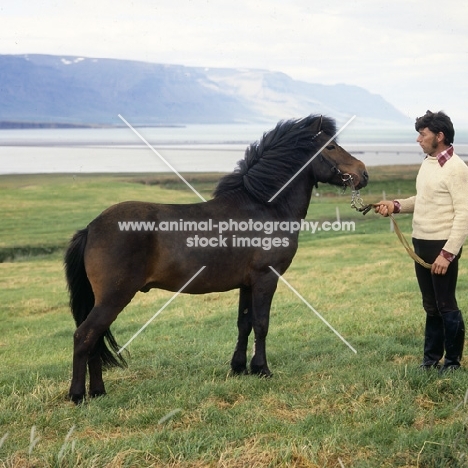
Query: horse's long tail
[[82, 298]]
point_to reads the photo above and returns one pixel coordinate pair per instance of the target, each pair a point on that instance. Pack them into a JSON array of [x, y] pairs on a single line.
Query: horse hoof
[[239, 371], [96, 393], [261, 372], [77, 398]]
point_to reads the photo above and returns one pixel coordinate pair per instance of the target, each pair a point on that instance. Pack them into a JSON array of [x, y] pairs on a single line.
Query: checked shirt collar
[[445, 155]]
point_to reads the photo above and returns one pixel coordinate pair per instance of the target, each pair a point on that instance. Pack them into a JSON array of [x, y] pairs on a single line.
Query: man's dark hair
[[436, 122]]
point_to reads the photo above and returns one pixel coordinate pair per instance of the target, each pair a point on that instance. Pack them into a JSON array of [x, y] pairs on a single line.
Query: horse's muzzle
[[360, 181], [355, 181]]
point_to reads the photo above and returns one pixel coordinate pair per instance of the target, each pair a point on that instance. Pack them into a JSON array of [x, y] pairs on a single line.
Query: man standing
[[440, 227]]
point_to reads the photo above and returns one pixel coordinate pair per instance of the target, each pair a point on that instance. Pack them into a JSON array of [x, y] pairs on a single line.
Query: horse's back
[[141, 245]]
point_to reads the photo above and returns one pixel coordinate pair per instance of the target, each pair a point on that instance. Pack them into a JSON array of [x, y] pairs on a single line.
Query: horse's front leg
[[244, 326], [262, 296]]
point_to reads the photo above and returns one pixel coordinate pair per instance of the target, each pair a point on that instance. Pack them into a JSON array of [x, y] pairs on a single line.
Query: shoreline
[[391, 171], [14, 125], [46, 158]]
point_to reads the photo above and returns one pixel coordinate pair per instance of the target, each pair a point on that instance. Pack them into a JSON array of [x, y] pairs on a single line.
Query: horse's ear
[[318, 124]]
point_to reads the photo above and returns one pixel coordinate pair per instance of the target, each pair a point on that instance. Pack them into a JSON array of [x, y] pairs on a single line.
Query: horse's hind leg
[[85, 339], [96, 383], [244, 326], [84, 342]]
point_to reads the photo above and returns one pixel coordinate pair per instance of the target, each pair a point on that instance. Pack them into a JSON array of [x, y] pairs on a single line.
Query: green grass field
[[176, 404]]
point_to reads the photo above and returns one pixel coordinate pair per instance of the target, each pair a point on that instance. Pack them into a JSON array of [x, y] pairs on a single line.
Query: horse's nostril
[[365, 175]]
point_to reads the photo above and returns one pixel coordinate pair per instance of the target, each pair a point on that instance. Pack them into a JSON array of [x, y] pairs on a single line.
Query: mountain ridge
[[52, 89]]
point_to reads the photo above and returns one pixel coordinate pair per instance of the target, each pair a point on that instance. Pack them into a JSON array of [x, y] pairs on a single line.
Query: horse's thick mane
[[268, 164]]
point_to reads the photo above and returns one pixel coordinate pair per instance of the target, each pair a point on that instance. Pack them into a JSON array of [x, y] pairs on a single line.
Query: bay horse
[[107, 263]]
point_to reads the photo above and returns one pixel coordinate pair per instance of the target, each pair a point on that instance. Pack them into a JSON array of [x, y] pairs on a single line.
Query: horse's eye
[[330, 147]]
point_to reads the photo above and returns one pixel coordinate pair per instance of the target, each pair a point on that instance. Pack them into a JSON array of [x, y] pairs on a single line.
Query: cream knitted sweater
[[440, 205]]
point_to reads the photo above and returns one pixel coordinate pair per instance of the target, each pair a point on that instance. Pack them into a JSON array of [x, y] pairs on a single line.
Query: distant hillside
[[88, 91]]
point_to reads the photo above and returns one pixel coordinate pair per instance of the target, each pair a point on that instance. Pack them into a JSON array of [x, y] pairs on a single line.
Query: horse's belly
[[197, 278]]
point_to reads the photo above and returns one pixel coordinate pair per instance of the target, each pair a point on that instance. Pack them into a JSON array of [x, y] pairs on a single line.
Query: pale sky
[[414, 53]]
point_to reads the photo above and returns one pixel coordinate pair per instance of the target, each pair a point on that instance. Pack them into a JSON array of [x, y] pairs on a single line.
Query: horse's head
[[304, 146], [334, 165]]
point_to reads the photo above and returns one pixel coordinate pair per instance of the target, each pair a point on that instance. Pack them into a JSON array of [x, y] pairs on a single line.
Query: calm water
[[188, 149]]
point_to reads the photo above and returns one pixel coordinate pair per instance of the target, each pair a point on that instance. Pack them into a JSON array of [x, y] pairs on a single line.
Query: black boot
[[433, 341], [454, 339]]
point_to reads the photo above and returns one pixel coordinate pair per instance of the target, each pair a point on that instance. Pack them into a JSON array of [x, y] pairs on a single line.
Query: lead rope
[[358, 204], [410, 251]]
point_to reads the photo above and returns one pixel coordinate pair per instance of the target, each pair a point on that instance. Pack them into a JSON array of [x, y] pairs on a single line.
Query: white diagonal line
[[2, 440], [169, 415], [311, 159], [313, 310], [160, 157], [161, 309]]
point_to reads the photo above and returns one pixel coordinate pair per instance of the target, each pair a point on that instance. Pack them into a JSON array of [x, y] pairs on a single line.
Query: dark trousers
[[445, 329]]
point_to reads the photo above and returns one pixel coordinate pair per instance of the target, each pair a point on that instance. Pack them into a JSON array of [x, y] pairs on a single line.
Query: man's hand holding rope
[[386, 208]]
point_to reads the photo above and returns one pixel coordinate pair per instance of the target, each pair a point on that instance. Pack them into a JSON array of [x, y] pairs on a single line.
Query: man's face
[[428, 141]]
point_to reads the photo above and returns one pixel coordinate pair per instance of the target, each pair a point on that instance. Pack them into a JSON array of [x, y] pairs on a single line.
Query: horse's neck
[[297, 199], [291, 204]]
